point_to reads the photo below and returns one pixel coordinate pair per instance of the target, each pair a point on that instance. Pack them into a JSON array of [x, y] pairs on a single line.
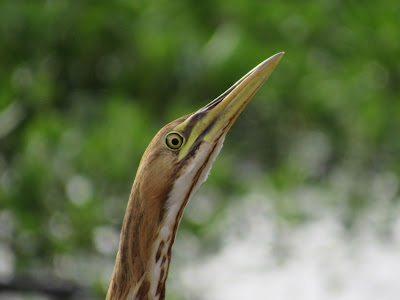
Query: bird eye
[[174, 140]]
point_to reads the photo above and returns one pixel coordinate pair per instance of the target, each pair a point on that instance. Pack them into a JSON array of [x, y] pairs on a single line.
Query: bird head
[[181, 154]]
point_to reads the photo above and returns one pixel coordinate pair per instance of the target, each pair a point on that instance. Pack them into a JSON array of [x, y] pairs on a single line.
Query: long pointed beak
[[217, 117]]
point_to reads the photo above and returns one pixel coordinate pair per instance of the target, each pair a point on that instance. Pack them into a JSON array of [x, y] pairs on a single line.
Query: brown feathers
[[156, 174]]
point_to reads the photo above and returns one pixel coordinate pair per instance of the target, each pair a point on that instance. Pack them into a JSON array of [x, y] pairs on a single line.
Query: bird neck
[[147, 235], [144, 255], [151, 222]]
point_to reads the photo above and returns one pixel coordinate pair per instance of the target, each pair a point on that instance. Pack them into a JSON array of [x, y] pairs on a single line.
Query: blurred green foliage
[[84, 86]]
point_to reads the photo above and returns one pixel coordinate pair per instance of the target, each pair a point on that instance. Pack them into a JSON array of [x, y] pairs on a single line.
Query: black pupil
[[175, 141]]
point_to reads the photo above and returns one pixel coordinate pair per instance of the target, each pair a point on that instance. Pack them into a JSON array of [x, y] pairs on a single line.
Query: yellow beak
[[217, 117]]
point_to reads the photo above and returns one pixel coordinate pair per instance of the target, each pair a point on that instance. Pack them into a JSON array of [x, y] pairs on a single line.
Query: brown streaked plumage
[[173, 166]]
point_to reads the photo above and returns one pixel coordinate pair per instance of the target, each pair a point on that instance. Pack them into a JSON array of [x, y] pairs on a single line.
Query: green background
[[85, 85]]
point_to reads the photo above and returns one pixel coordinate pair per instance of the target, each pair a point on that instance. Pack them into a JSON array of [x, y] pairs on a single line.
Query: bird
[[176, 162]]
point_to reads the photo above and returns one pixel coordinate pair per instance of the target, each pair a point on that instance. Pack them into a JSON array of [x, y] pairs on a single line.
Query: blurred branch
[[55, 289]]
